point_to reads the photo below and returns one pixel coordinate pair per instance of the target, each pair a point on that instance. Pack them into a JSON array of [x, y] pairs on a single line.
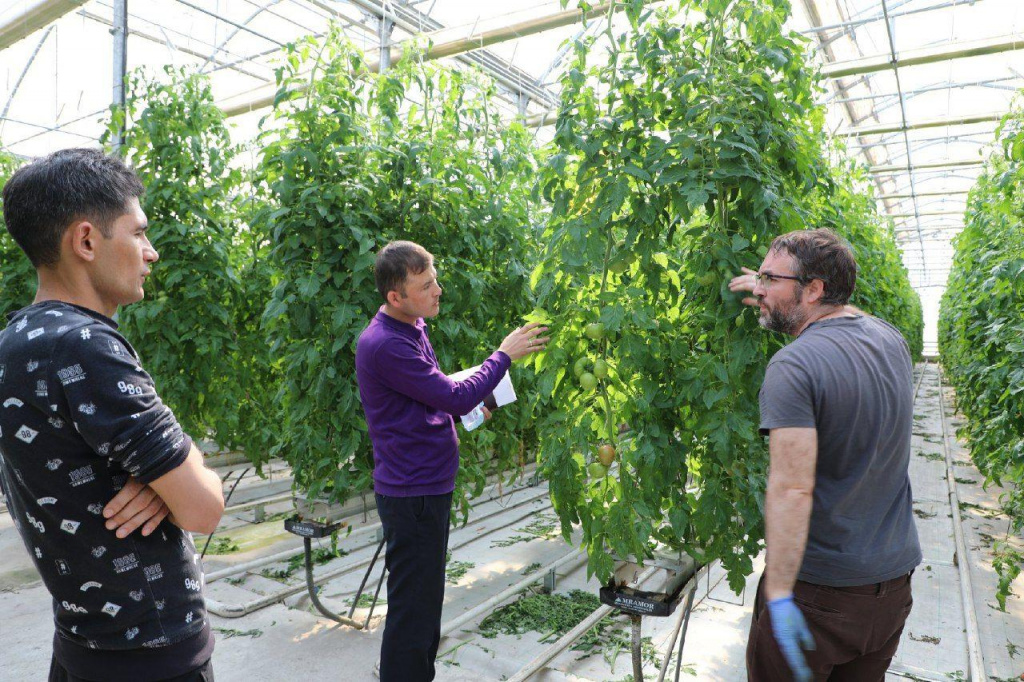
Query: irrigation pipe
[[572, 559], [284, 555], [976, 664], [568, 638], [238, 610], [272, 498]]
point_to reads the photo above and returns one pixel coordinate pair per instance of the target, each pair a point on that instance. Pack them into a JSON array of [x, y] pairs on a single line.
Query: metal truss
[[263, 96], [921, 57]]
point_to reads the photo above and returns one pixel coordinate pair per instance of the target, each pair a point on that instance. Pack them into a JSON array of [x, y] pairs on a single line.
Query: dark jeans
[[203, 673], [856, 631], [416, 533]]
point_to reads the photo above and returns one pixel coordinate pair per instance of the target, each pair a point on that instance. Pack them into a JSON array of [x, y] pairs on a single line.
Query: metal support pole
[[120, 33], [636, 623], [386, 27], [522, 102]]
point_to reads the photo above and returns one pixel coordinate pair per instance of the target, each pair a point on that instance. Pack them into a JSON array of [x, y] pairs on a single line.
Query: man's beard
[[785, 318]]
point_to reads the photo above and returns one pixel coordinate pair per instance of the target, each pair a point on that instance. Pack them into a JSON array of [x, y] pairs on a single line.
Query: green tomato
[[580, 367], [597, 470], [621, 262], [600, 369], [588, 381], [595, 331]]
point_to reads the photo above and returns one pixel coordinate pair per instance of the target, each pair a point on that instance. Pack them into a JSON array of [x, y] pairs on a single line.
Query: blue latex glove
[[790, 630]]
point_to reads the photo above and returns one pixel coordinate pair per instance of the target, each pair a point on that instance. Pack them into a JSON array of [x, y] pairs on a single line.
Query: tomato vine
[[197, 328], [675, 161], [360, 159], [981, 327], [17, 276]]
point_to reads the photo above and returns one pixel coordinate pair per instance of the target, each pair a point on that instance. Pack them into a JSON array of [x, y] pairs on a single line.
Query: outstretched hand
[[744, 282], [524, 341]]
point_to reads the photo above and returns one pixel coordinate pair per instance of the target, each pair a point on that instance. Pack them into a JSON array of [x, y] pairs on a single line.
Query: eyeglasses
[[766, 278]]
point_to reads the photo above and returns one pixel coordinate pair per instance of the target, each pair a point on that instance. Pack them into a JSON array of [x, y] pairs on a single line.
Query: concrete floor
[[289, 640]]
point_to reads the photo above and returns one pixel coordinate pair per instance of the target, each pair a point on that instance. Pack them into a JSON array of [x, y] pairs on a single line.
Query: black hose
[[226, 500]]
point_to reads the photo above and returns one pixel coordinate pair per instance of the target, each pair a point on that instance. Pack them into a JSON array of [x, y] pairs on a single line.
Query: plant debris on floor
[[228, 633], [222, 545], [454, 570], [553, 615], [544, 526], [365, 601]]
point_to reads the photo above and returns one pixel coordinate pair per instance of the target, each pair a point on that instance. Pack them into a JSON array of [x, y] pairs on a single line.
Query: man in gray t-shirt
[[837, 406]]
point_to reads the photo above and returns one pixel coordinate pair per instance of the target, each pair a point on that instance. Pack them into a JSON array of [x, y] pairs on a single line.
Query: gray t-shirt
[[851, 379]]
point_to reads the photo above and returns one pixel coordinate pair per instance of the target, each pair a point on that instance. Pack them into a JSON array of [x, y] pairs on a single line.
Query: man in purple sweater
[[409, 403]]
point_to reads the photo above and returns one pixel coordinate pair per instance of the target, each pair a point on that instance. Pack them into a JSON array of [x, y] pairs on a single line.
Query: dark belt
[[883, 587]]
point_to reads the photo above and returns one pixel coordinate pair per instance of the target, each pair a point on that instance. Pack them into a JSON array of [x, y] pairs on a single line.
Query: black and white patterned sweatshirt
[[78, 415]]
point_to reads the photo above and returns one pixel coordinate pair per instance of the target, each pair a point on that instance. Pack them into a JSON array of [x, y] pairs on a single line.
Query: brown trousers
[[856, 631]]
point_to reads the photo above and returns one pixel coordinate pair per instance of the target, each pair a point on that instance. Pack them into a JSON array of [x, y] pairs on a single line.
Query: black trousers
[[416, 536], [203, 673]]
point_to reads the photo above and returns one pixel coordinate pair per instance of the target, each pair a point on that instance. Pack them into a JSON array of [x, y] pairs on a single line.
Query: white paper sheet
[[504, 392]]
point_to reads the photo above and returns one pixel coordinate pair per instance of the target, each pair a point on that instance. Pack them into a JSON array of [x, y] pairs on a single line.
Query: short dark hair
[[43, 198], [395, 262], [822, 254]]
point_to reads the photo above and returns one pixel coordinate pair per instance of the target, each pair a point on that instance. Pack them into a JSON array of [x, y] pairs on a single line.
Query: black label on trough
[[637, 603], [309, 529]]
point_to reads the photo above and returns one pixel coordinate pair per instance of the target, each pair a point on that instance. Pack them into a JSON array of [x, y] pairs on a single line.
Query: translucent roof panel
[[924, 153], [923, 127]]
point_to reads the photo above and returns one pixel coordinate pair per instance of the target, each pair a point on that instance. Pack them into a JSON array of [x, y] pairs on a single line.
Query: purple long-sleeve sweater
[[409, 403]]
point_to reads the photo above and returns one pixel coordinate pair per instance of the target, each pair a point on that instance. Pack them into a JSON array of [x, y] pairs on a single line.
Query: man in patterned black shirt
[[88, 452]]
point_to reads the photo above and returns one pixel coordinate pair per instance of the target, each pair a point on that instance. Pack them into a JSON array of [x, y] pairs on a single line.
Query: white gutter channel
[[976, 664], [38, 15], [239, 610], [288, 553]]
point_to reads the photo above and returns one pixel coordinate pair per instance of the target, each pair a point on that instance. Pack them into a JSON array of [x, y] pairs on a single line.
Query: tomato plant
[[361, 159], [681, 148], [17, 276], [981, 329], [197, 328]]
